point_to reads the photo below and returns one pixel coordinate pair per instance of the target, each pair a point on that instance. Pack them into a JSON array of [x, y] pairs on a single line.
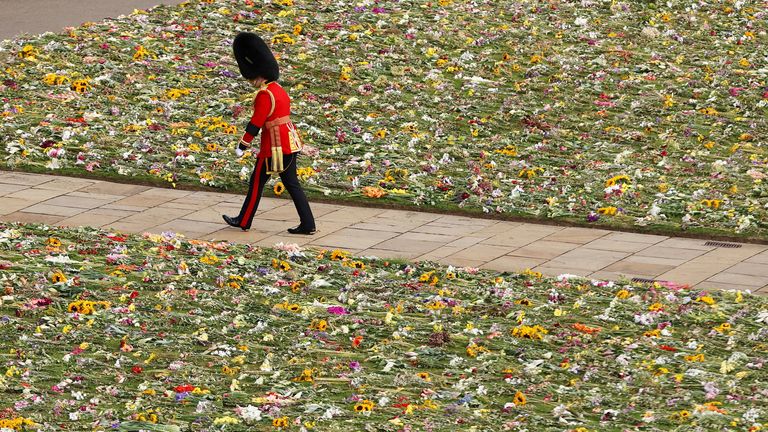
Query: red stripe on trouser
[[253, 195]]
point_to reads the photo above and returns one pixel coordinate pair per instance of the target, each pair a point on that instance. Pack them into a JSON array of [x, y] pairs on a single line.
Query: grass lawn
[[104, 331], [632, 114]]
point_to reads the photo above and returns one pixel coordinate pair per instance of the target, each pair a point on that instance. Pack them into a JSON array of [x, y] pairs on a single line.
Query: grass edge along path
[[704, 233]]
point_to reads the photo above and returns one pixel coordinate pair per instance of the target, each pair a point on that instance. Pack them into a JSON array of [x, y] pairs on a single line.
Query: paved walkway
[[37, 16], [460, 241]]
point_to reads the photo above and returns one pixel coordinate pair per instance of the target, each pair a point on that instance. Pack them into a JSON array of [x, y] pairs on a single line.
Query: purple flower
[[355, 366], [592, 217], [227, 73], [337, 310]]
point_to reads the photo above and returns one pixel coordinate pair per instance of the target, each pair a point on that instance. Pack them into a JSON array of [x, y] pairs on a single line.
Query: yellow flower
[[722, 328], [610, 210], [81, 85], [226, 420], [140, 53], [622, 294], [306, 376], [339, 254], [714, 203], [364, 406], [279, 188], [16, 423], [54, 242], [58, 277], [613, 180], [536, 332], [281, 265], [474, 349], [283, 38], [509, 150], [530, 172], [519, 399], [28, 52], [529, 272], [297, 29], [305, 173], [209, 259], [424, 376]]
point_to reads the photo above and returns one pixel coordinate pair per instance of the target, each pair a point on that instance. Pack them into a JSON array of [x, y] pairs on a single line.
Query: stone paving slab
[[454, 240]]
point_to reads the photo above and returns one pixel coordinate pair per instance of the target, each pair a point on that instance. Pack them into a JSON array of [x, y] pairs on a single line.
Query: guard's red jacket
[[271, 110]]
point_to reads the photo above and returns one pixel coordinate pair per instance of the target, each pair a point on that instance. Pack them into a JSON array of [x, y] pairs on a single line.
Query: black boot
[[301, 230], [235, 222]]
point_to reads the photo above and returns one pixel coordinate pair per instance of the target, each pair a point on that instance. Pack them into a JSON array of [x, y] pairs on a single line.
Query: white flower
[[762, 317], [250, 413], [331, 413], [581, 21]]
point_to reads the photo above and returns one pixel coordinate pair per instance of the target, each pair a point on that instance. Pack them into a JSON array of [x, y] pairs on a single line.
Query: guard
[[280, 141]]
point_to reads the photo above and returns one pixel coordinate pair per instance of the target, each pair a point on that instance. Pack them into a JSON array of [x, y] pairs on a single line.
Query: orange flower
[[373, 192], [357, 341], [586, 329]]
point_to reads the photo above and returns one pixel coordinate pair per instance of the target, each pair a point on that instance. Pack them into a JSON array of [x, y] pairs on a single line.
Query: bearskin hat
[[254, 58]]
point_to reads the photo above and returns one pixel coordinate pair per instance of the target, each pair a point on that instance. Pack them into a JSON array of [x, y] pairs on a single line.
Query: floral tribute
[[604, 112], [160, 333]]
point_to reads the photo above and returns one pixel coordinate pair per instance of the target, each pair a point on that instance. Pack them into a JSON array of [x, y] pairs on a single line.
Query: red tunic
[[262, 106]]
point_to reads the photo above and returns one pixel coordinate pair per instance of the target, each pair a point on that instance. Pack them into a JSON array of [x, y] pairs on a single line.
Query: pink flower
[[337, 310]]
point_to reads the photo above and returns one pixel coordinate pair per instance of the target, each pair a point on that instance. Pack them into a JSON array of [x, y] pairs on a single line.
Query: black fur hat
[[254, 58]]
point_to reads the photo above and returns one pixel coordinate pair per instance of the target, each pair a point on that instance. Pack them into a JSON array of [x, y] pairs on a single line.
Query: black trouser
[[290, 181]]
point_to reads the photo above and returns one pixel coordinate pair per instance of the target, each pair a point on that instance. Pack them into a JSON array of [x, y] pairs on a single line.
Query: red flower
[[137, 370], [668, 348], [184, 388], [357, 341]]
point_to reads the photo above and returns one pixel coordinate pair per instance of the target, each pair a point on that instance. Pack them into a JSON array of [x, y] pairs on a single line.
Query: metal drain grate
[[643, 280], [722, 244]]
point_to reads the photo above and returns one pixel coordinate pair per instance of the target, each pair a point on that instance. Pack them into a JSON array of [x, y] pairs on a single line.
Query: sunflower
[[358, 265], [294, 307], [54, 242], [424, 376], [280, 422], [364, 406], [284, 266], [58, 277], [212, 147], [279, 188], [80, 86], [298, 285], [519, 399], [338, 254]]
